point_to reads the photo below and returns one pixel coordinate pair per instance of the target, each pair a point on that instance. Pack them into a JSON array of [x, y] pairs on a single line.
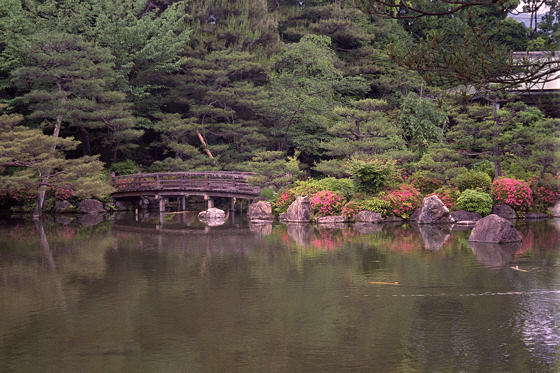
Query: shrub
[[327, 203], [351, 209], [378, 205], [127, 167], [402, 201], [544, 197], [473, 180], [448, 195], [267, 193], [484, 166], [371, 176], [475, 201], [425, 182], [512, 192], [284, 200]]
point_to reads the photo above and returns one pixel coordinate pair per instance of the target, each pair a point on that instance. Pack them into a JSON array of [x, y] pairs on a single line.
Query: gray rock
[[368, 217], [465, 216], [434, 212], [299, 211], [494, 229], [91, 206], [555, 210], [63, 206], [283, 216], [393, 219], [331, 219], [261, 210], [415, 215], [504, 211]]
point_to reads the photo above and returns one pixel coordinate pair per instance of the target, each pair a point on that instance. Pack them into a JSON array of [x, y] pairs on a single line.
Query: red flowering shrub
[[447, 195], [544, 197], [284, 200], [403, 201], [351, 209], [512, 192], [327, 203]]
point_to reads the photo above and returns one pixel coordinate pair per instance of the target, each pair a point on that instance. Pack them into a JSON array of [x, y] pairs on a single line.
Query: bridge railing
[[225, 182]]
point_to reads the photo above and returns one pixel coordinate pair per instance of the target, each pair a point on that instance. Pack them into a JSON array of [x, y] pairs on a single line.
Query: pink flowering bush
[[403, 201], [327, 203], [544, 197], [284, 200], [512, 192], [351, 209]]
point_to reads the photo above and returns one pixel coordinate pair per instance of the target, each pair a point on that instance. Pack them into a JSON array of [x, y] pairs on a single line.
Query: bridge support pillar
[[161, 204], [183, 203], [232, 204], [209, 201]]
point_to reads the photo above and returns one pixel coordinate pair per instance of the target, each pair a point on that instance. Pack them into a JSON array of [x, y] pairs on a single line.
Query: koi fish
[[382, 283]]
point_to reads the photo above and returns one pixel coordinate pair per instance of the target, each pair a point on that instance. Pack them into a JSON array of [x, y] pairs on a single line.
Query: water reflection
[[145, 296], [495, 255]]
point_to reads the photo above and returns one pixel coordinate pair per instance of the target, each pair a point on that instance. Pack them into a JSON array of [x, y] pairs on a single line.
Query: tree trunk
[[85, 141]]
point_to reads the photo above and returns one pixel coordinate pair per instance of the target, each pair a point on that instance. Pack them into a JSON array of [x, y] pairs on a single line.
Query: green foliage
[[272, 169], [373, 175], [127, 167], [425, 182], [268, 194], [475, 201], [484, 166], [473, 180], [377, 204], [422, 122]]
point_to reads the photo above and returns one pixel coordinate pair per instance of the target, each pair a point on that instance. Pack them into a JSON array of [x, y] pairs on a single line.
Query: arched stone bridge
[[165, 185]]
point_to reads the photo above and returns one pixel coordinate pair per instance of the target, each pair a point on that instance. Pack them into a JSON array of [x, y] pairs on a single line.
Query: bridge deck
[[168, 184]]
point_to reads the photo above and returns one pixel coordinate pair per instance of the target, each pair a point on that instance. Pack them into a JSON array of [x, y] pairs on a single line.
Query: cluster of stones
[[494, 228]]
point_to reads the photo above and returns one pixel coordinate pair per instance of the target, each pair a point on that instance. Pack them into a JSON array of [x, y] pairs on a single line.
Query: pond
[[133, 294]]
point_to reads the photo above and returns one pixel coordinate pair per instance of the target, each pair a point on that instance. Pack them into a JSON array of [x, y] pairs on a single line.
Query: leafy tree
[[362, 129], [41, 162], [422, 122], [68, 79]]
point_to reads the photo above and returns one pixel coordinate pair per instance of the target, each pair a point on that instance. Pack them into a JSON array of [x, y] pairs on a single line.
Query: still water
[[126, 295]]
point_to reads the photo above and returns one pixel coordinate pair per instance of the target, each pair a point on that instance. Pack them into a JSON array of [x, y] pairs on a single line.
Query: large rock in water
[[434, 212], [299, 211], [366, 216], [494, 229], [212, 214], [463, 215], [261, 210], [91, 206]]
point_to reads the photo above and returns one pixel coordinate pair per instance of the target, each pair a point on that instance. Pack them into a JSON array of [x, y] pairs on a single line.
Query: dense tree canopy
[[285, 88]]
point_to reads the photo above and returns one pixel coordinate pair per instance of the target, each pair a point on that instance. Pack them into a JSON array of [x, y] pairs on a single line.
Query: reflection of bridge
[[165, 185]]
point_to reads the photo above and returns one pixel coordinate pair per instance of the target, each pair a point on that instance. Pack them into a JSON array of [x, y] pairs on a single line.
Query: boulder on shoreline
[[91, 206], [366, 216], [434, 212], [494, 229], [260, 211], [504, 211], [299, 211]]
